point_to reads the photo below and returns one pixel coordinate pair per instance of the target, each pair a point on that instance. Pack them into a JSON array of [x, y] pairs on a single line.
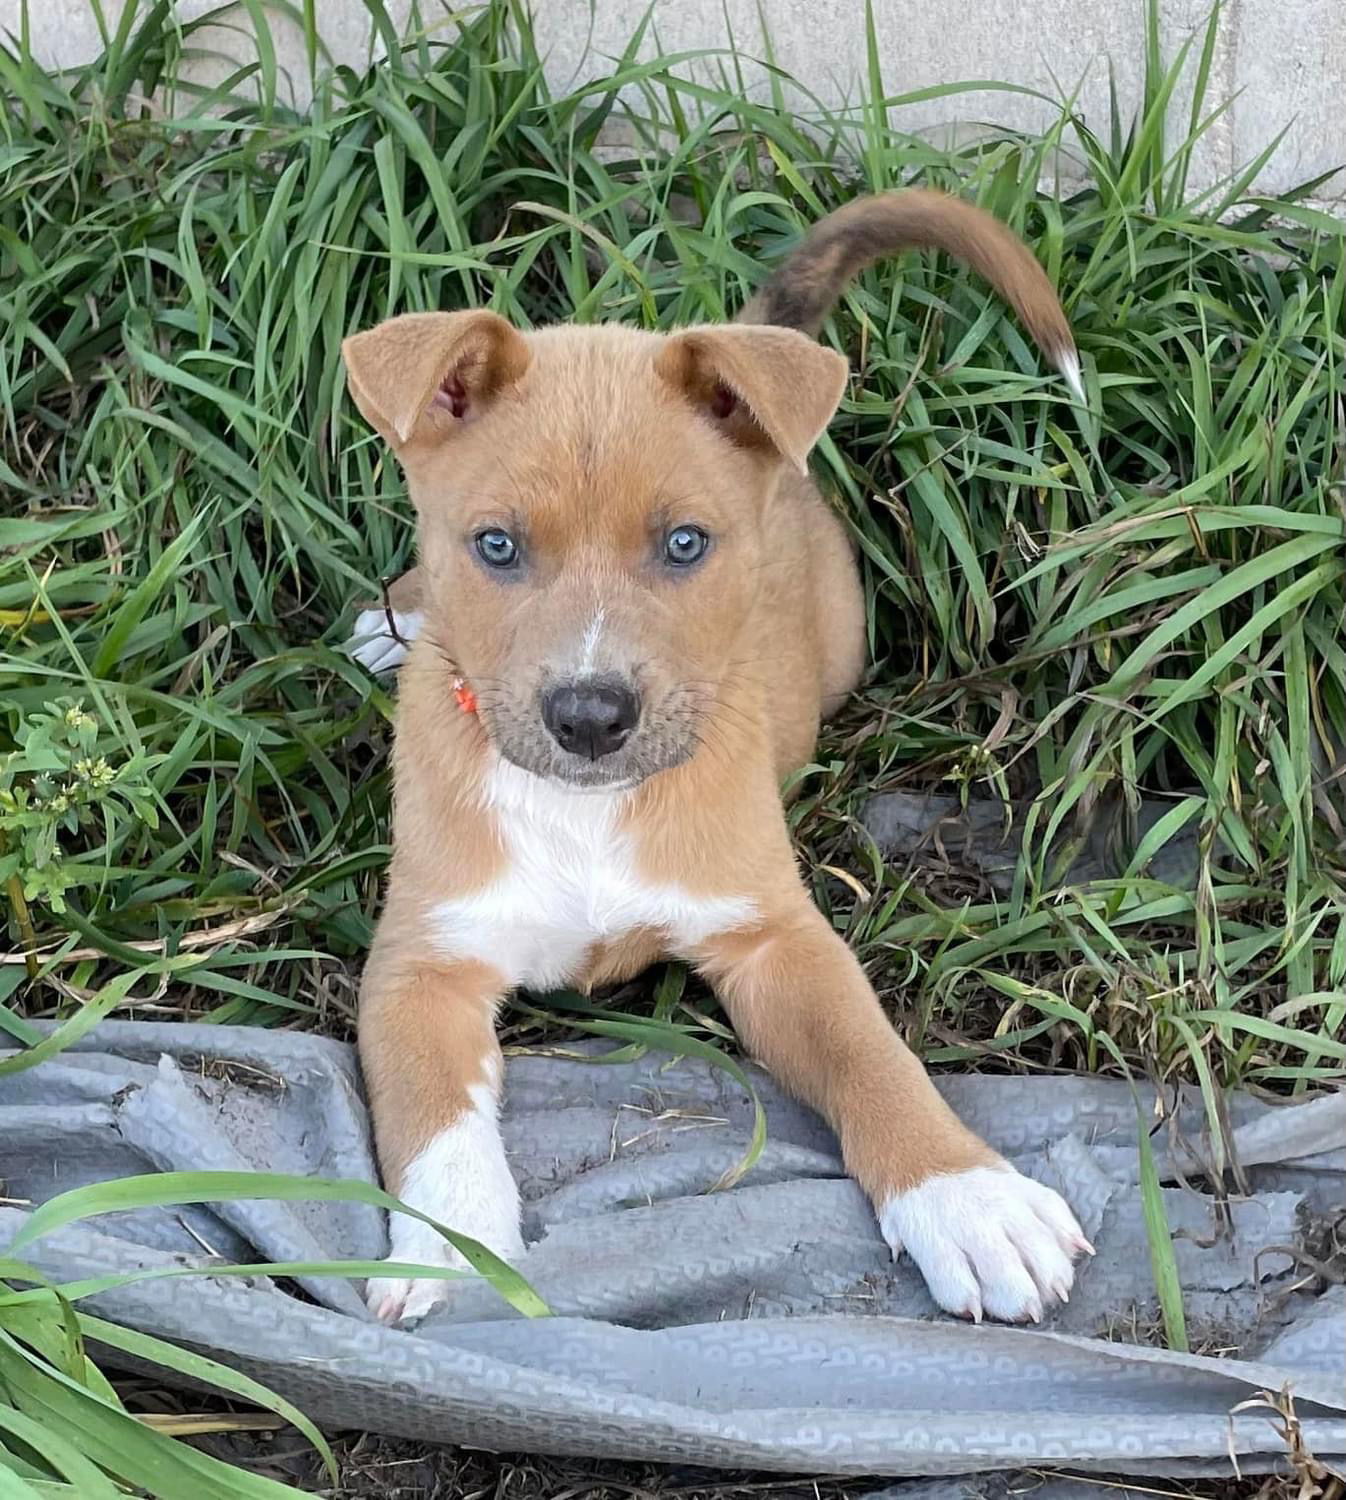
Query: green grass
[[64, 1430], [1077, 606], [1142, 597]]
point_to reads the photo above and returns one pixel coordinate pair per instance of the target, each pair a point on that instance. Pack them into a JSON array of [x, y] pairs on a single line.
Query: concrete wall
[[1281, 62]]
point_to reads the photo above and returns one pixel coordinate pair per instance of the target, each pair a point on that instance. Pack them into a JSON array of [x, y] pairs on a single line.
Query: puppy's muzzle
[[591, 717]]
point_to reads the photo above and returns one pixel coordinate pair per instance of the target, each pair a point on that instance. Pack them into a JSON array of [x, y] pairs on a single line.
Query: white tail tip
[[1068, 362]]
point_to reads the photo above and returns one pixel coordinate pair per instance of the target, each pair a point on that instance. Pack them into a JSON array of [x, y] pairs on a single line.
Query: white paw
[[375, 645], [989, 1242], [403, 1299], [463, 1180]]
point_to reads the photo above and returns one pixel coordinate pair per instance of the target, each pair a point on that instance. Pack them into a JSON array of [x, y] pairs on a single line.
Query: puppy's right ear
[[427, 373]]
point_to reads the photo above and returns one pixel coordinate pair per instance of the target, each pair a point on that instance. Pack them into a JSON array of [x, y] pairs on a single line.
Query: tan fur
[[591, 439], [802, 292]]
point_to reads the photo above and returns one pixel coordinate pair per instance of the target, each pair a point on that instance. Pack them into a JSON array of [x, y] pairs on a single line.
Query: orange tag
[[464, 696]]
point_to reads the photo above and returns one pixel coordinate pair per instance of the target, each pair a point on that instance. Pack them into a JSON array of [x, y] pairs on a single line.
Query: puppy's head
[[593, 512]]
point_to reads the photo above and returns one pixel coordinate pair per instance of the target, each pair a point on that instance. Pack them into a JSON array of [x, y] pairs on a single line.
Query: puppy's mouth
[[592, 781], [620, 772]]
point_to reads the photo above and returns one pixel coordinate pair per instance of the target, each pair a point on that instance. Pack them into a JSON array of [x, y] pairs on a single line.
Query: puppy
[[631, 611]]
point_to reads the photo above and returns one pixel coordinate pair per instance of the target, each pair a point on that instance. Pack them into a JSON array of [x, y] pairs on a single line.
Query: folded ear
[[763, 386], [441, 368]]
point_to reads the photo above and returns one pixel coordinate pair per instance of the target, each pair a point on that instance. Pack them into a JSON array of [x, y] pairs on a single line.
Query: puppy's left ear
[[761, 386]]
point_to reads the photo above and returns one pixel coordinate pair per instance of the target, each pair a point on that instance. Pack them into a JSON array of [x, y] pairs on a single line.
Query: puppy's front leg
[[987, 1240], [432, 1069]]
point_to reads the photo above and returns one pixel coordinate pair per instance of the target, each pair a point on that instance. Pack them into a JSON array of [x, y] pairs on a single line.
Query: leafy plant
[[52, 789]]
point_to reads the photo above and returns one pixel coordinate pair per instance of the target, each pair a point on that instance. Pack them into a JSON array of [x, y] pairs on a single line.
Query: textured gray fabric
[[764, 1327]]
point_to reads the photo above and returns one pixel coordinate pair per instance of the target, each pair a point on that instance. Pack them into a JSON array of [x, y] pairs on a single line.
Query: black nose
[[591, 717]]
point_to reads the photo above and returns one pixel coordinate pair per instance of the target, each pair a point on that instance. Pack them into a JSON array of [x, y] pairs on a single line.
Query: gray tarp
[[762, 1327]]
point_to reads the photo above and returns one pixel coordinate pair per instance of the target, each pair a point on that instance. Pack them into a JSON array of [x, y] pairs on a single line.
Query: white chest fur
[[570, 882]]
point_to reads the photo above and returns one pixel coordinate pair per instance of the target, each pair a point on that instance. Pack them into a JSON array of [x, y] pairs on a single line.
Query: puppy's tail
[[800, 293]]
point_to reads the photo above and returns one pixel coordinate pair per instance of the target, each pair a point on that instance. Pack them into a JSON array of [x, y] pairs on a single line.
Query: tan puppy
[[631, 611]]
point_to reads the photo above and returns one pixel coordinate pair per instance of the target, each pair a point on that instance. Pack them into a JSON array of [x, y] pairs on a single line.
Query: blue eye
[[685, 545], [496, 548]]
